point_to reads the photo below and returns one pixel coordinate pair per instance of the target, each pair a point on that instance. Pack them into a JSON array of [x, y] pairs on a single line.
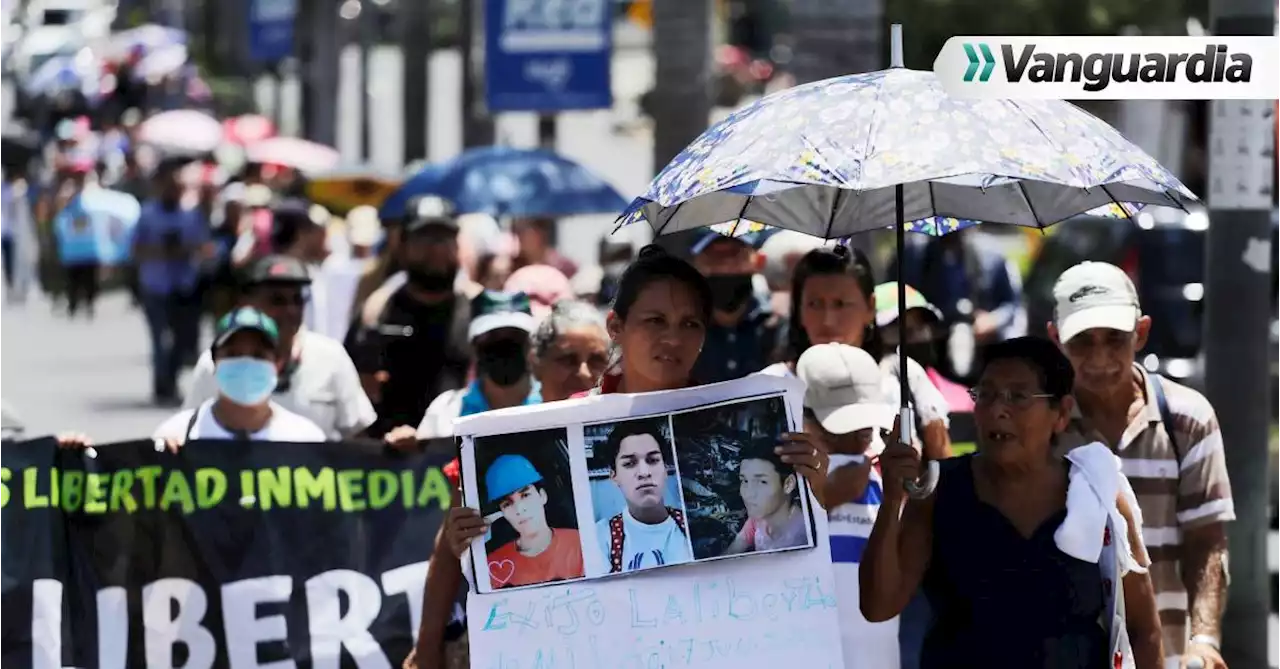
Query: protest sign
[[227, 554], [614, 519]]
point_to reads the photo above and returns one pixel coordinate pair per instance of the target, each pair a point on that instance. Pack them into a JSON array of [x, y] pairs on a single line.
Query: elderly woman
[[570, 350], [1017, 570]]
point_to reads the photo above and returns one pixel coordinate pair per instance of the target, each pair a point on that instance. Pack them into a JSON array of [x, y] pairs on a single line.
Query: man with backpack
[[1170, 447]]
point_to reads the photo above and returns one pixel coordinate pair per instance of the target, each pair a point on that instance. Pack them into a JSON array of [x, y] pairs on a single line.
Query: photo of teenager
[[635, 493], [741, 496], [526, 494]]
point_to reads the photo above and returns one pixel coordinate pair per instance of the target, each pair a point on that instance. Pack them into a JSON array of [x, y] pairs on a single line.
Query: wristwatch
[[1206, 640]]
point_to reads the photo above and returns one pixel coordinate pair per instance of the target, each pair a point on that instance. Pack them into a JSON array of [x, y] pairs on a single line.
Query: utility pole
[[303, 49], [547, 131], [1238, 277], [477, 125], [682, 92], [366, 19], [415, 45], [322, 71]]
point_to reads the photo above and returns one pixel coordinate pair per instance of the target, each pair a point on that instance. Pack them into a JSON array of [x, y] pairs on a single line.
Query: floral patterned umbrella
[[827, 159], [891, 149]]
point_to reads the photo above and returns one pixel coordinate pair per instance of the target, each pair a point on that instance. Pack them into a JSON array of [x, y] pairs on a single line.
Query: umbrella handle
[[923, 486]]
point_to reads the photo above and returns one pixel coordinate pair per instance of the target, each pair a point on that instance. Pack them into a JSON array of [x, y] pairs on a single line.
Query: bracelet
[[1206, 640]]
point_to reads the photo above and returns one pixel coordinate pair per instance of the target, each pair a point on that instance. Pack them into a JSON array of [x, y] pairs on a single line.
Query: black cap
[[278, 269], [427, 210], [292, 210]]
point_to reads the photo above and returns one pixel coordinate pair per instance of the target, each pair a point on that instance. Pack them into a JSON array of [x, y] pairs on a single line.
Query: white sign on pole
[[1241, 154], [646, 531]]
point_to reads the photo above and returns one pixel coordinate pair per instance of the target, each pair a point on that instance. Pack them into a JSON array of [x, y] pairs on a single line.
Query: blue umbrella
[[891, 149], [506, 182], [57, 74], [112, 216]]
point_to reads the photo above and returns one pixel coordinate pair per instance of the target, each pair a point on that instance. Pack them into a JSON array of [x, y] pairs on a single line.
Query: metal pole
[[477, 126], [415, 44], [547, 131], [1238, 277], [366, 27]]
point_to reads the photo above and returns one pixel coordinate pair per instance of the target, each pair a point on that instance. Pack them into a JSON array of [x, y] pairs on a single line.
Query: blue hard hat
[[507, 474]]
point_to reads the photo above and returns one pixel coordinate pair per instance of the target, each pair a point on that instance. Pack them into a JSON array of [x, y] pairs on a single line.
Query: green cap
[[887, 303], [245, 318]]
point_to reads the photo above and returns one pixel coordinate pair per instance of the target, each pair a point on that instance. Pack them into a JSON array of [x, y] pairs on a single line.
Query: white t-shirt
[[284, 426], [866, 645], [325, 387], [644, 545]]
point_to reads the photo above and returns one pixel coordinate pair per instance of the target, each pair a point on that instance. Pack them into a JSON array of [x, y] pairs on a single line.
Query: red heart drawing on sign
[[499, 575]]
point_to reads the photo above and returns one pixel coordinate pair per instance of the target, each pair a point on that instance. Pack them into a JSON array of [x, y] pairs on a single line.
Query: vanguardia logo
[[987, 62], [1097, 70]]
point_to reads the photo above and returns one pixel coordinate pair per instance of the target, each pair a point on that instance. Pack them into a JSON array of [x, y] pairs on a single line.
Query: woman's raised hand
[[462, 526], [808, 454]]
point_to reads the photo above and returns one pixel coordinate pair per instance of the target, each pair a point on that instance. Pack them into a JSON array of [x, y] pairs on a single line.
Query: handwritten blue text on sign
[[651, 623]]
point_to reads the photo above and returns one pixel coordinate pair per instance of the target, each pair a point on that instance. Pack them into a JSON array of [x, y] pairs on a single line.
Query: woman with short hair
[[1018, 550]]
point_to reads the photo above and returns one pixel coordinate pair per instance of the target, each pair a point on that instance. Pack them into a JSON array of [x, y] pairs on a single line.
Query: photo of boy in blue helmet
[[539, 553]]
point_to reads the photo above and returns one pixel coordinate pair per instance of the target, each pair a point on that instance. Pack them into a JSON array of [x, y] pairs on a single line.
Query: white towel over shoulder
[[1094, 483]]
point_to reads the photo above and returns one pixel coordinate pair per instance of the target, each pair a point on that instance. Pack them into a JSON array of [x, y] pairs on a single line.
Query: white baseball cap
[[1094, 295], [844, 388]]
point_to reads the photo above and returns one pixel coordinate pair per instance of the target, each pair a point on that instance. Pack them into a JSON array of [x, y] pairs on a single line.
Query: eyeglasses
[[1017, 399]]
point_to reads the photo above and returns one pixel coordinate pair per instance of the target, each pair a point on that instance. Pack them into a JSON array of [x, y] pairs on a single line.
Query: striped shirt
[[1180, 484], [865, 644]]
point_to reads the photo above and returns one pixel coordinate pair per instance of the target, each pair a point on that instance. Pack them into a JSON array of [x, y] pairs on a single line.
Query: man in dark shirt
[[745, 335], [410, 340]]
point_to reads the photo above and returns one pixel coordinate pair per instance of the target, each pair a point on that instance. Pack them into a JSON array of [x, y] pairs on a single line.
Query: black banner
[[227, 554]]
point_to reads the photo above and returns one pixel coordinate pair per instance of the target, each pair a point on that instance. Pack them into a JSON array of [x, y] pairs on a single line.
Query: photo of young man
[[532, 535], [741, 496], [775, 519], [648, 532]]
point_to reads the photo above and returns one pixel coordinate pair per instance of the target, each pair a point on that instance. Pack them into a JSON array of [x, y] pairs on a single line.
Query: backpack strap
[[678, 516], [1166, 416], [191, 424], [615, 544]]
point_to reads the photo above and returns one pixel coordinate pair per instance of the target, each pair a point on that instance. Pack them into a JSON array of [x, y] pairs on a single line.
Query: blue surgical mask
[[245, 381]]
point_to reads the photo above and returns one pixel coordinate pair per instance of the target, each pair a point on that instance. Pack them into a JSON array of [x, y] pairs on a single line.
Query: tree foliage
[[927, 24]]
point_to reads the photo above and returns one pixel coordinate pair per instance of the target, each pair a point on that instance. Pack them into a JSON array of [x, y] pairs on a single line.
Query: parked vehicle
[[1163, 252]]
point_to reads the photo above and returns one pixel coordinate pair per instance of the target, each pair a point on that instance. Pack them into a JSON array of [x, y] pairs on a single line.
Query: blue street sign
[[271, 30], [548, 55]]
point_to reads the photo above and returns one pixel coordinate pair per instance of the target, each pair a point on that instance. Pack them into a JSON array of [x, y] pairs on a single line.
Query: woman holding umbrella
[[1020, 552]]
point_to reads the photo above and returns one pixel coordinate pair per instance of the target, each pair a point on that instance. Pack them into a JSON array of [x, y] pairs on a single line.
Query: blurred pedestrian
[[499, 333], [1021, 553], [296, 232], [17, 236], [247, 363], [317, 379], [978, 290], [168, 244], [1168, 437], [544, 284], [410, 342], [537, 245], [79, 246], [492, 269], [920, 336], [744, 335]]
